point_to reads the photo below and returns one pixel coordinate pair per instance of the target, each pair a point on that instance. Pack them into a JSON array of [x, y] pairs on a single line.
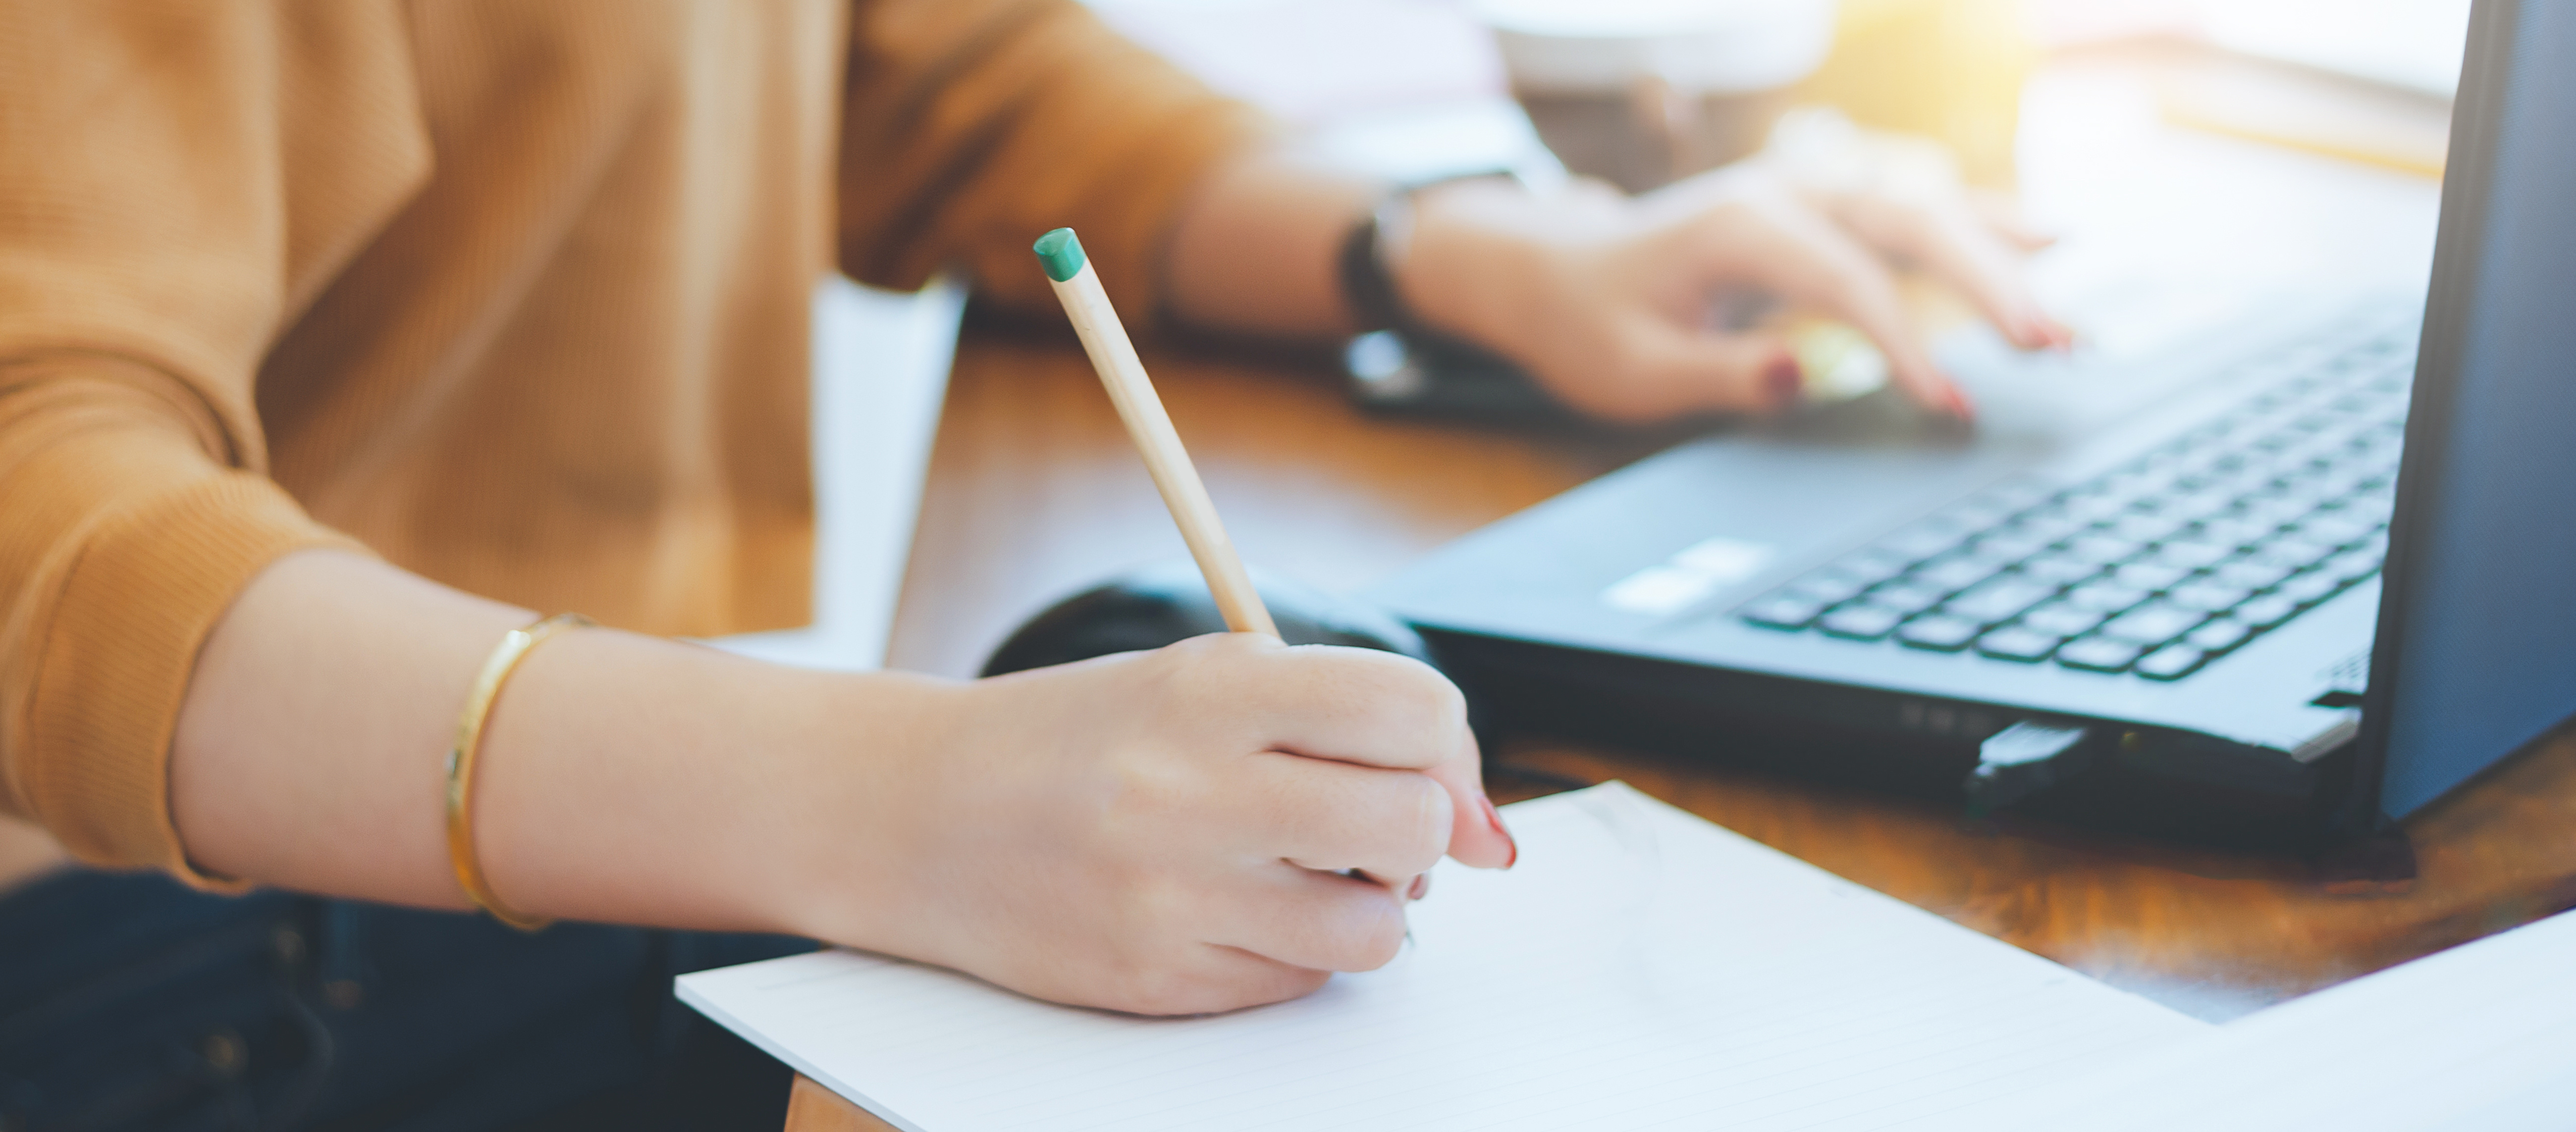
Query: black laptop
[[2277, 586]]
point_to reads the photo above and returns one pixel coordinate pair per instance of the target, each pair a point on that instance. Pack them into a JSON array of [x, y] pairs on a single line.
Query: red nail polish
[[1960, 407], [1496, 820], [1785, 382], [1421, 887]]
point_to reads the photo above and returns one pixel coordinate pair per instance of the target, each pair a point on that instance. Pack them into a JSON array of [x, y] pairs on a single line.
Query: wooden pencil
[[1114, 356]]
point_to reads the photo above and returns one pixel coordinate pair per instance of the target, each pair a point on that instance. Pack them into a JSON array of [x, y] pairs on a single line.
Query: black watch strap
[[1367, 285]]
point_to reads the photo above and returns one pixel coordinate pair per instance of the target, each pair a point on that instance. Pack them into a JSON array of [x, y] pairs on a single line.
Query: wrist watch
[[1398, 366]]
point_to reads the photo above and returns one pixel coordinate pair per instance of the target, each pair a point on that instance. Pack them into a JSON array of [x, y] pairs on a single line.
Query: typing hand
[[1609, 300], [1171, 832]]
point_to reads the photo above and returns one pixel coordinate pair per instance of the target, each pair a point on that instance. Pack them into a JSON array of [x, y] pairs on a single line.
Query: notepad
[[1639, 969]]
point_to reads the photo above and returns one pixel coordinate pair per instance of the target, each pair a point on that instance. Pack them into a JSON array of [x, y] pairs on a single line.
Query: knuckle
[[1426, 827], [1427, 699], [1379, 941]]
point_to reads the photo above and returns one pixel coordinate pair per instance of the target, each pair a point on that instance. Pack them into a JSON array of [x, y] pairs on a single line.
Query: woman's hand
[[1162, 832], [1216, 824], [1609, 300]]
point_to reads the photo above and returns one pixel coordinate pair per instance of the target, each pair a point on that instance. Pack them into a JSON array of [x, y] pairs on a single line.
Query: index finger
[[1962, 249], [1800, 253], [1381, 709]]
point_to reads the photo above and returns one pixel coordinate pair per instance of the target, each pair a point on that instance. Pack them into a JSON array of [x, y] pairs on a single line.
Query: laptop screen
[[2476, 652]]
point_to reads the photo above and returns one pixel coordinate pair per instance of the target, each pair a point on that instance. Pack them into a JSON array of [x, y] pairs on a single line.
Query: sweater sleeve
[[148, 254], [971, 127]]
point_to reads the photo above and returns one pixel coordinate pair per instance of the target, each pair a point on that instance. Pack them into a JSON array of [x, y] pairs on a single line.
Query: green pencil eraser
[[1061, 252]]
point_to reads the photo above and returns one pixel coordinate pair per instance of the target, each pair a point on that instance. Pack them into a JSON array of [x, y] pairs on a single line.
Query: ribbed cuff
[[152, 581]]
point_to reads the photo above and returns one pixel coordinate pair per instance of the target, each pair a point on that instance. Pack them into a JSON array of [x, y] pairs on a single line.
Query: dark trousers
[[128, 1001]]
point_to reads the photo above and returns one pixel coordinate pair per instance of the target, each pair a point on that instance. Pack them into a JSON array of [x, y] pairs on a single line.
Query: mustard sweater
[[512, 293]]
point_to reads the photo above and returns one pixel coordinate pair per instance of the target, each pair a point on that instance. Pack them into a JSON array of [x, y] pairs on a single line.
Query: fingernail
[[2035, 332], [1960, 406], [1421, 887], [1784, 380], [1496, 820]]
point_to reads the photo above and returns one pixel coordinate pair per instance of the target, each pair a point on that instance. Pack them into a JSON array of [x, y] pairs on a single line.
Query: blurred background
[[1414, 85]]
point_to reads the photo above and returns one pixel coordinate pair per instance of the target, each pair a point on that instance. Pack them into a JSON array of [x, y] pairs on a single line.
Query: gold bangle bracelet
[[460, 764]]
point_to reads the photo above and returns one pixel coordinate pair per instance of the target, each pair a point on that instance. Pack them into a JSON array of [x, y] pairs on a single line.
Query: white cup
[[1644, 92]]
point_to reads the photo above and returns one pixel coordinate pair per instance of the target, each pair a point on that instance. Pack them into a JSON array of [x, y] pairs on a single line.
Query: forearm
[[1256, 250], [1172, 831], [621, 777]]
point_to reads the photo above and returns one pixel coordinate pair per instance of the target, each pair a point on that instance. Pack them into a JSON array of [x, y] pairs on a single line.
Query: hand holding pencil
[[1216, 823]]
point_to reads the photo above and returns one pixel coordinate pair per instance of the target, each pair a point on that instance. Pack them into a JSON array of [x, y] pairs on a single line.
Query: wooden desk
[[1033, 492]]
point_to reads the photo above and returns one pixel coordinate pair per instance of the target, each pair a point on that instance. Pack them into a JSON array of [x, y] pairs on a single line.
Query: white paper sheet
[[2481, 1037], [1640, 968]]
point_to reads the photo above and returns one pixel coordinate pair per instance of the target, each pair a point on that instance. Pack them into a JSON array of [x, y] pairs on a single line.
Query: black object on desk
[[1167, 602], [1400, 373]]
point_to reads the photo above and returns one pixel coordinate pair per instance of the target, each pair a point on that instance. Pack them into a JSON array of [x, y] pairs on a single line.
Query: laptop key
[[1907, 597], [2047, 526], [1828, 586], [1950, 575], [2192, 554], [2290, 552], [1938, 632], [2351, 565], [2333, 528], [1860, 622], [2007, 546], [2172, 662], [2153, 624], [2247, 574], [2149, 576], [2277, 510], [2310, 588], [2096, 508], [2059, 569], [2061, 619], [1998, 600], [1782, 611], [2105, 596], [2266, 611], [1872, 565], [2234, 530], [2139, 528], [2097, 654], [2218, 636], [2018, 643], [2193, 506], [2099, 547], [2206, 596]]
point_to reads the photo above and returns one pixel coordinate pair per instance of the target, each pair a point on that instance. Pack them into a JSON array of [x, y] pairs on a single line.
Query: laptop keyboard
[[2160, 565]]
